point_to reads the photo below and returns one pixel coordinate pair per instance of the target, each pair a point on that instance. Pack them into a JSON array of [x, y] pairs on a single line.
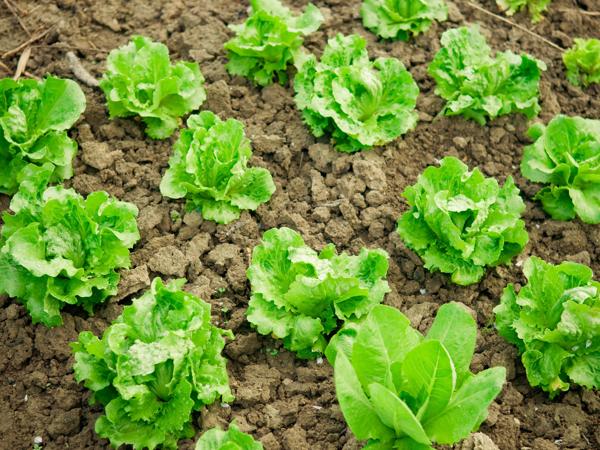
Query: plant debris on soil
[[350, 200]]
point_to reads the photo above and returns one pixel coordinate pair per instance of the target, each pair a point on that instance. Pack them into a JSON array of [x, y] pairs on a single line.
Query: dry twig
[[23, 59], [516, 25], [9, 70], [27, 43], [81, 72]]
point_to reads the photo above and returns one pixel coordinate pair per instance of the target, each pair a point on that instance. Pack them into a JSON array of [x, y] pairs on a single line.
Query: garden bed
[[351, 200]]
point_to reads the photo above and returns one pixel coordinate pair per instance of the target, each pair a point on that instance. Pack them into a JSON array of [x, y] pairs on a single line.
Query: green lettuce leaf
[[58, 248], [141, 81], [301, 296], [401, 390], [232, 439], [582, 62], [266, 42], [361, 103], [209, 169], [554, 320], [159, 361], [566, 157], [477, 86], [461, 222], [34, 119], [399, 19], [535, 7]]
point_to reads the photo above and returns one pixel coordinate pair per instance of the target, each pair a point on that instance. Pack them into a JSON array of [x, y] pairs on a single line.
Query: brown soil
[[351, 200]]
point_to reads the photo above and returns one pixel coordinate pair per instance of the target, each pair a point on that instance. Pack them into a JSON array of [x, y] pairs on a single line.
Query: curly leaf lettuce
[[461, 222], [301, 296], [399, 19], [58, 248], [232, 439], [535, 7], [566, 157], [159, 361], [400, 390], [34, 119], [477, 86], [361, 103], [141, 81], [265, 43], [582, 62], [554, 320], [209, 168]]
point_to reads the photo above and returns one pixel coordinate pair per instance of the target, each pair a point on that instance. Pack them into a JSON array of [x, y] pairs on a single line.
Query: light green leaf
[[140, 80], [359, 412], [467, 408], [209, 168], [395, 414]]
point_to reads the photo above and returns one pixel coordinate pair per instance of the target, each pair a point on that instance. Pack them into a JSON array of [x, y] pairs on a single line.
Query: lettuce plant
[[159, 361], [301, 296], [566, 157], [399, 19], [477, 86], [58, 248], [400, 390], [34, 119], [361, 103], [460, 222], [554, 320], [209, 167], [265, 43], [141, 81], [535, 7], [232, 439], [582, 62]]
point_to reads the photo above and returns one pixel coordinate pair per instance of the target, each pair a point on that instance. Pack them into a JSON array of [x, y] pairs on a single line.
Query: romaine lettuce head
[[400, 390], [155, 364], [141, 81], [266, 42], [34, 119], [58, 248], [209, 168], [479, 87], [301, 296], [566, 157], [461, 222], [554, 320], [399, 19], [361, 103], [535, 7], [582, 62], [232, 439]]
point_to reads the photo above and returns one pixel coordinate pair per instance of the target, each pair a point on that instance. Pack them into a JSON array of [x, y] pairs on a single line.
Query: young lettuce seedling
[[535, 7], [209, 168], [266, 42], [554, 320], [582, 62], [301, 296], [461, 222], [479, 87], [141, 81], [232, 439], [361, 103], [400, 390], [159, 361], [58, 248], [566, 157], [399, 19], [34, 119]]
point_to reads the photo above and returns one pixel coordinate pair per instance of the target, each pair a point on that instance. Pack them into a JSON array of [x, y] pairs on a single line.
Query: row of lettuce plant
[[161, 359]]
